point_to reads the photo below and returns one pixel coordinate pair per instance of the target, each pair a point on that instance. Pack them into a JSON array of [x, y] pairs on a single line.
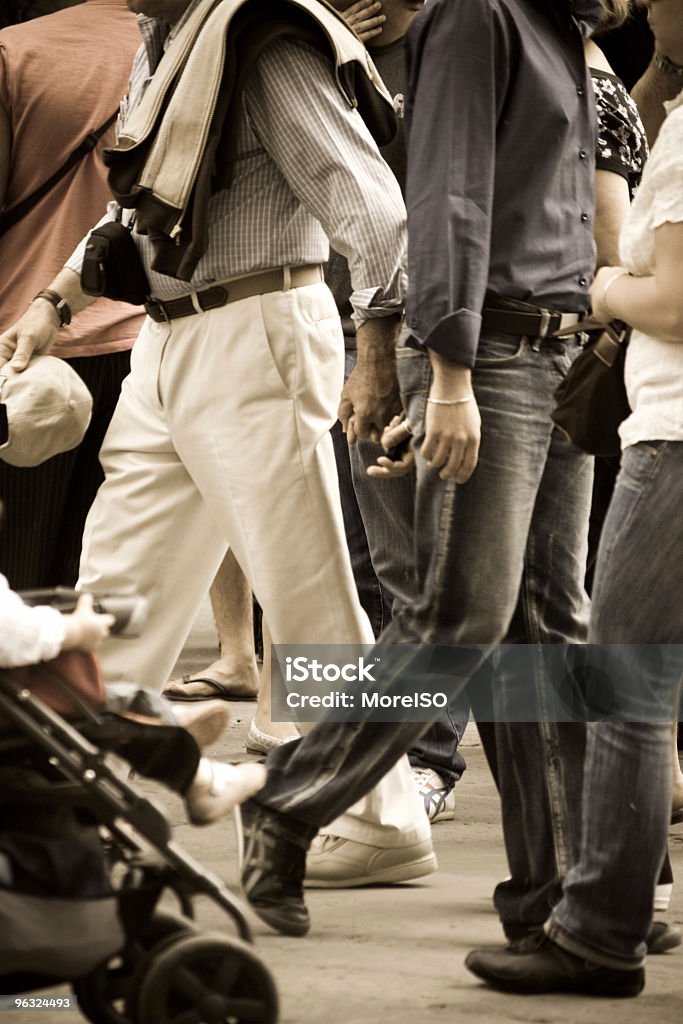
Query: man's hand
[[452, 432], [365, 18], [37, 329], [370, 397], [34, 332], [395, 434]]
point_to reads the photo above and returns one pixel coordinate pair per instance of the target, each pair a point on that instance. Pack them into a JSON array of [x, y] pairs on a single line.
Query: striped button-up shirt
[[307, 170]]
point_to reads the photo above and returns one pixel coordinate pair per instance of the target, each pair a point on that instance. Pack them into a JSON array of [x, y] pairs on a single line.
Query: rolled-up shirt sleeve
[[331, 163], [458, 68]]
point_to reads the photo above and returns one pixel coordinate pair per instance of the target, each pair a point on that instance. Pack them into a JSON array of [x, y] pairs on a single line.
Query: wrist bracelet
[[450, 401], [615, 277]]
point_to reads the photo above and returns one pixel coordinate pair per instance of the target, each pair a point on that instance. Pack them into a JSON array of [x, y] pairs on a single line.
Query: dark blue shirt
[[500, 122]]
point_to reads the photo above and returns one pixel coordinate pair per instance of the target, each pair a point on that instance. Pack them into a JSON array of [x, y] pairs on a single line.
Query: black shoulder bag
[[591, 401]]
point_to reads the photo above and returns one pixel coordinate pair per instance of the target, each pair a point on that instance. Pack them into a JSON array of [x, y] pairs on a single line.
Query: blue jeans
[[373, 597], [500, 556], [378, 523], [607, 905], [387, 508]]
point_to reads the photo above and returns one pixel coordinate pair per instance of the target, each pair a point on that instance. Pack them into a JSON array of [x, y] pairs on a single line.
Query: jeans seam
[[442, 553], [606, 569]]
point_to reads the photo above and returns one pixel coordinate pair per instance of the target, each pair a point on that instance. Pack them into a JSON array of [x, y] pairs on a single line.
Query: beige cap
[[47, 409]]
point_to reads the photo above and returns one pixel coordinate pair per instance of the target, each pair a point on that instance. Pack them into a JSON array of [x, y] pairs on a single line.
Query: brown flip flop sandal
[[220, 691]]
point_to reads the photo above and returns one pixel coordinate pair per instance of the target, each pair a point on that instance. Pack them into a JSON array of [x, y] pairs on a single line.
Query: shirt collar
[[587, 14], [156, 34]]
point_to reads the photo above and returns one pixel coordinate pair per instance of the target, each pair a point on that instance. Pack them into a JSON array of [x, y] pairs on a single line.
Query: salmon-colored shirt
[[62, 76]]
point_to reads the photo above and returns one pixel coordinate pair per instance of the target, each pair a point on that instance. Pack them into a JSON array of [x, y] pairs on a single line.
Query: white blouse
[[27, 635], [654, 368]]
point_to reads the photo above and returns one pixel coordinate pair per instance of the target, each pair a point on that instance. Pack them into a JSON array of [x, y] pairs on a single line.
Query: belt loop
[[545, 323], [195, 302], [286, 279]]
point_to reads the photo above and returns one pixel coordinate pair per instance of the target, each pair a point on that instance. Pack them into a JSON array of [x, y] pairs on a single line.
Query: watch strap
[[60, 304]]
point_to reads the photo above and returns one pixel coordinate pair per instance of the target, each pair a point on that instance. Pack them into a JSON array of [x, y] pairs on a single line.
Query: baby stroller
[[68, 815]]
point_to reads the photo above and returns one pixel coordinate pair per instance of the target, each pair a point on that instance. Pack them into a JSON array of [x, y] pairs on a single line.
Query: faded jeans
[[378, 522], [607, 906], [502, 556]]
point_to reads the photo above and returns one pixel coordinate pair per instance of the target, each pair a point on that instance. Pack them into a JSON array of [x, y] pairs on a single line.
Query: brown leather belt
[[539, 324], [281, 279]]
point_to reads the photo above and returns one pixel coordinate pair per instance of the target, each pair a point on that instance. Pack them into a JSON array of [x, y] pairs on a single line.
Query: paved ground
[[396, 953]]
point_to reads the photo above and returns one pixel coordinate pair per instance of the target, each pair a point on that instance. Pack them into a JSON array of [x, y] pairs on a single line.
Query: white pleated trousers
[[221, 439]]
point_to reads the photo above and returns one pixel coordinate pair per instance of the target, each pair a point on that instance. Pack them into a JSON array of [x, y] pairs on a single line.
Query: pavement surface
[[395, 953]]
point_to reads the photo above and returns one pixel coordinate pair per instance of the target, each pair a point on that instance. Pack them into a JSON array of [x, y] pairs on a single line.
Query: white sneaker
[[259, 742], [439, 800], [663, 896], [336, 863], [217, 788]]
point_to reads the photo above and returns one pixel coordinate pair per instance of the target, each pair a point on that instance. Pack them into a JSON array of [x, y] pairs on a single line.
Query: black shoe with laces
[[533, 967], [272, 872]]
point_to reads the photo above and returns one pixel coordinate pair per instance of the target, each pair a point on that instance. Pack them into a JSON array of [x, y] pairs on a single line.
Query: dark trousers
[[46, 507]]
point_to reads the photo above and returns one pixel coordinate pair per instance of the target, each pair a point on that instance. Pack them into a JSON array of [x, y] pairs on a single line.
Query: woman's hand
[[599, 301], [396, 433]]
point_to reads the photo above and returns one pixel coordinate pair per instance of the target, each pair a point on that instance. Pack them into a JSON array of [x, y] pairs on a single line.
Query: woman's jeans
[[607, 906]]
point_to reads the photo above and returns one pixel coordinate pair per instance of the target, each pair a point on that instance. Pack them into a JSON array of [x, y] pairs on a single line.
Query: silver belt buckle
[[568, 320]]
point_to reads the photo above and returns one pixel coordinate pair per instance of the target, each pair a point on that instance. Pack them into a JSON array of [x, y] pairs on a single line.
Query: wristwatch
[[61, 305], [667, 66]]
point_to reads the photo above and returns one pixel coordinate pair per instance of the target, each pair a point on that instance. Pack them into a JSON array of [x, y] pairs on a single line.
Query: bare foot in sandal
[[217, 682], [235, 675]]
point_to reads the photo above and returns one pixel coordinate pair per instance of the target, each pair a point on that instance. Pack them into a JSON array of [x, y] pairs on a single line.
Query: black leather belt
[[280, 279], [537, 324]]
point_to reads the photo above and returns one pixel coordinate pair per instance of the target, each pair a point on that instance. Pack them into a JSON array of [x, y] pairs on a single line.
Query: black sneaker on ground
[[271, 871], [548, 968]]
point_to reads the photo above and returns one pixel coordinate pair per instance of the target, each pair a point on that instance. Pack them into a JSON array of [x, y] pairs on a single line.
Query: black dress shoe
[[548, 968], [272, 872], [660, 939]]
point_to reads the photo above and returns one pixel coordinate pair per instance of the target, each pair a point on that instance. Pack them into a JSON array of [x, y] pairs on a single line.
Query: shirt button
[[582, 154], [580, 90], [584, 218], [583, 281]]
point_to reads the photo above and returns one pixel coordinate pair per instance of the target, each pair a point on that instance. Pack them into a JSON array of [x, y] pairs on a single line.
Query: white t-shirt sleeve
[[27, 635], [666, 172]]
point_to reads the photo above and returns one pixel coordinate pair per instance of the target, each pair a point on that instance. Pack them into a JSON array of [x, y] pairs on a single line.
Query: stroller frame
[[138, 826]]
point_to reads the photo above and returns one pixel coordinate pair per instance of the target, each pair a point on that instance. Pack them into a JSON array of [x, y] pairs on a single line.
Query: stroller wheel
[[104, 993], [207, 979]]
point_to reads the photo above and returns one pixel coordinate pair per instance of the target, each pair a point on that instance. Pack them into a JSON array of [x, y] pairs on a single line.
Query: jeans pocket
[[500, 350], [639, 462]]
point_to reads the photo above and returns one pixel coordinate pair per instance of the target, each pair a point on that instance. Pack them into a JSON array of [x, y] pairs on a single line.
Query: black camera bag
[[112, 266]]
